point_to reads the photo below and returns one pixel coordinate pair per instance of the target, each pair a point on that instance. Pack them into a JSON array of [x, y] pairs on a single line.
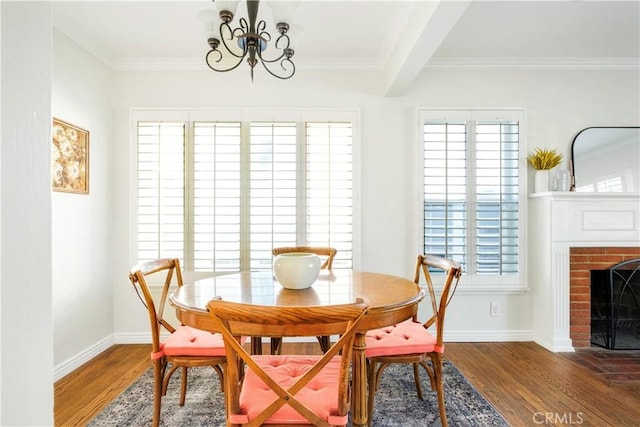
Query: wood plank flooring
[[527, 384], [530, 386]]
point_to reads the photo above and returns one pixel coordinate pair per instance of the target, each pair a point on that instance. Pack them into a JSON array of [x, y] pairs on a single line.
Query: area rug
[[396, 402]]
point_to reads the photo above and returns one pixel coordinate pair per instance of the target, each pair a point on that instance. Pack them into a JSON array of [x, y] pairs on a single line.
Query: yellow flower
[[543, 159]]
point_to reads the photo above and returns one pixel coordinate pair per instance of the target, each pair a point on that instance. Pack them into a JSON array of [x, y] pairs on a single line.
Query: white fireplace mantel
[[560, 221]]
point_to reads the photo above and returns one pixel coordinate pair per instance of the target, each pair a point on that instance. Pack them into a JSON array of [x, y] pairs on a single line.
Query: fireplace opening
[[615, 306]]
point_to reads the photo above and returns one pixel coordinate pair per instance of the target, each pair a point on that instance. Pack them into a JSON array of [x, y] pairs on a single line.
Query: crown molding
[[340, 64], [536, 63], [198, 64]]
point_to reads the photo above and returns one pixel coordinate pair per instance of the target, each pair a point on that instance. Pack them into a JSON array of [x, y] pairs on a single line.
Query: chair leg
[[325, 342], [220, 373], [158, 369], [256, 345], [183, 386], [166, 377], [276, 345], [416, 379], [371, 382], [374, 374], [436, 358]]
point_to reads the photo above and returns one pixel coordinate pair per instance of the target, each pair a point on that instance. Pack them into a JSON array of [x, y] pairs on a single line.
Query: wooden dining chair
[[287, 389], [410, 341], [185, 347], [326, 254]]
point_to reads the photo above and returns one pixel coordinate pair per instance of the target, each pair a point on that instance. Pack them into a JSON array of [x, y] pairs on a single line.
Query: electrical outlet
[[495, 309]]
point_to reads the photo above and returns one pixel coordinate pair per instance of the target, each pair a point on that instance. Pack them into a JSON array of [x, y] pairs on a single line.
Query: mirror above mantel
[[606, 159]]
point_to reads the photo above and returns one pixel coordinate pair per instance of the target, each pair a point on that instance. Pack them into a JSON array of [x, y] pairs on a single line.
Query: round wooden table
[[391, 300]]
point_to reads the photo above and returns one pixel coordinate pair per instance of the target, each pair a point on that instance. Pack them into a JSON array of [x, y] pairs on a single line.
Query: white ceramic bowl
[[296, 270]]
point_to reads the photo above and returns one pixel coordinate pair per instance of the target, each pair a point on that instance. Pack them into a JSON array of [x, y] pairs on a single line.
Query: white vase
[[297, 270], [541, 181]]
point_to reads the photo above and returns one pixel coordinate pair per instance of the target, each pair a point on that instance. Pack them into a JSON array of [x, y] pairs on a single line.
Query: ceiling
[[399, 37]]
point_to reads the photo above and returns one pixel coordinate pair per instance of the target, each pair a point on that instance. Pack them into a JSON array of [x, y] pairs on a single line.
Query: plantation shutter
[[221, 194], [160, 215], [496, 204], [330, 188], [471, 193], [273, 192], [216, 196], [445, 190]]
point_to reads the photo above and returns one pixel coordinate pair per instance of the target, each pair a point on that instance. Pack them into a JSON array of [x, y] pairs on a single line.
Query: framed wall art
[[69, 158]]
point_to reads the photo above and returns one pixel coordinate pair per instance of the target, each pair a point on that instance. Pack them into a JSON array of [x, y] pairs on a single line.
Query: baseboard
[[81, 358], [488, 336], [133, 338], [557, 345]]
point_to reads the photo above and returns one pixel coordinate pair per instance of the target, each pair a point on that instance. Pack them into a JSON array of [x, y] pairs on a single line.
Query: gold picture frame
[[69, 158]]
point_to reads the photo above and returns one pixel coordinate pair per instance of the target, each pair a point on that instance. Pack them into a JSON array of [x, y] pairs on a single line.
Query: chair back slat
[[452, 271], [236, 320], [138, 277]]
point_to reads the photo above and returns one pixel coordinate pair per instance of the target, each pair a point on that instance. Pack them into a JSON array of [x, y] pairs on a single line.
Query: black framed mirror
[[606, 159]]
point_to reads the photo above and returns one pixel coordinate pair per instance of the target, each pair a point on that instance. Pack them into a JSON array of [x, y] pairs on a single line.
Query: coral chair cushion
[[408, 337], [188, 341], [320, 394]]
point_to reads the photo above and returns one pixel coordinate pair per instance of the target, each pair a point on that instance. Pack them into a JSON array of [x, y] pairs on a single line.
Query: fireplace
[[571, 234], [583, 262], [615, 306]]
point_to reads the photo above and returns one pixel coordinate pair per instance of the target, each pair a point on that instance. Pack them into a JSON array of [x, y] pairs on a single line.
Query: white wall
[[558, 105], [81, 224], [91, 253], [26, 377]]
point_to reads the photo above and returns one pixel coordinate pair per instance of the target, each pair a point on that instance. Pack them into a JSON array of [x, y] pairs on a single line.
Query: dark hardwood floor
[[527, 384]]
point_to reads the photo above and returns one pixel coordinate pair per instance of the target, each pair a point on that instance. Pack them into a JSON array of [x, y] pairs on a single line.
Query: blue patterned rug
[[396, 402]]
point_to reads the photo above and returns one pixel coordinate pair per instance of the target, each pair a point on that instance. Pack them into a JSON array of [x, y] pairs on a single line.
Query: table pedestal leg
[[359, 372]]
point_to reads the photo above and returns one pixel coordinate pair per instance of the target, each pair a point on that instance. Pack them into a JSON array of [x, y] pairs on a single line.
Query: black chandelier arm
[[285, 37], [242, 29], [285, 51], [283, 64], [243, 26], [264, 35], [206, 59], [261, 27]]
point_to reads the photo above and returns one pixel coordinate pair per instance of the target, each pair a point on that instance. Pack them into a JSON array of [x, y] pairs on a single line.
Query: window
[[220, 195], [216, 198], [471, 192], [161, 193]]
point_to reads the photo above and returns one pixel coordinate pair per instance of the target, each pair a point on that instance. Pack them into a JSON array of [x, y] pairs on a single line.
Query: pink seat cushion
[[320, 394], [188, 341], [408, 337]]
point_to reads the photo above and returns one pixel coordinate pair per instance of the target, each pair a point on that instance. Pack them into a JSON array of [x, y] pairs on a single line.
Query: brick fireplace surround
[[582, 261]]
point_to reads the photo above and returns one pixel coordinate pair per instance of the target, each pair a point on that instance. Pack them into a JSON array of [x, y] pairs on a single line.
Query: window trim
[[471, 283]]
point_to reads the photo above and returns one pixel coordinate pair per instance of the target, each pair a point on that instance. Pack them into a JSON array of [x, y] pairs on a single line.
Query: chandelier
[[249, 39]]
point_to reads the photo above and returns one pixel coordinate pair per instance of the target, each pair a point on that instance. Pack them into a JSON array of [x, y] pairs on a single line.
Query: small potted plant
[[543, 160]]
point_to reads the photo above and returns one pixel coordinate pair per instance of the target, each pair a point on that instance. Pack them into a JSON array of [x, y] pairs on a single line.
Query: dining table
[[391, 300]]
